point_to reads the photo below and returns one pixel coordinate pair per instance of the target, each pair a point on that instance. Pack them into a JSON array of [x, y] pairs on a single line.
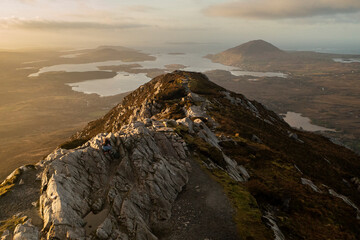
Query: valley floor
[[38, 114], [330, 100]]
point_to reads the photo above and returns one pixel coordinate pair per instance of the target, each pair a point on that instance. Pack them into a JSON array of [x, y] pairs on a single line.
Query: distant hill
[[251, 52], [119, 48], [106, 53], [255, 47], [259, 55]]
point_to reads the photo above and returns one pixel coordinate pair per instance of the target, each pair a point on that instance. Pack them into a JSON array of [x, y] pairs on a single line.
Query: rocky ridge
[[137, 190], [159, 133]]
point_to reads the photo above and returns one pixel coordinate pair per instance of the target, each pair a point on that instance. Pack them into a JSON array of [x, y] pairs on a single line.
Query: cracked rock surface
[[138, 189]]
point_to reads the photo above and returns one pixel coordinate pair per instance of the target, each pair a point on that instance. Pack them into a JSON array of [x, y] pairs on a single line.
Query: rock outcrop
[[136, 190], [26, 231]]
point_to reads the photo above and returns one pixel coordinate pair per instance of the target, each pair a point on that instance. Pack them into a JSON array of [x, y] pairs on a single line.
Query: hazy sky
[[83, 23]]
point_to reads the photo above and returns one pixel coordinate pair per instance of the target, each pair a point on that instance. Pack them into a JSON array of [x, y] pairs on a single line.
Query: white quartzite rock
[[308, 182], [26, 231], [140, 186], [5, 235]]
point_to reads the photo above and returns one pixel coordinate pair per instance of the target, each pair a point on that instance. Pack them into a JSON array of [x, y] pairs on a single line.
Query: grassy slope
[[275, 183]]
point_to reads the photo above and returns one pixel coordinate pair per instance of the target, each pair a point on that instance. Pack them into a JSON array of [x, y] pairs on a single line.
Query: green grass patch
[[175, 111], [171, 92], [248, 215], [202, 85], [181, 129], [11, 223], [205, 148], [74, 143], [9, 183], [283, 165], [202, 88]]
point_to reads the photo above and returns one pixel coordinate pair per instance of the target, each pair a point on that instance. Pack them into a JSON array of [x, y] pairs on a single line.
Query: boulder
[[26, 231], [6, 235], [256, 139]]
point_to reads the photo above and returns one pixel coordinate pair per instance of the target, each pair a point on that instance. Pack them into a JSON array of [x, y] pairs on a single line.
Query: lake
[[296, 120], [347, 60], [121, 83], [125, 82]]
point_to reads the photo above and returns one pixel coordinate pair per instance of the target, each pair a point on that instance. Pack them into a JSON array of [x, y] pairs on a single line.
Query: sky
[[325, 25]]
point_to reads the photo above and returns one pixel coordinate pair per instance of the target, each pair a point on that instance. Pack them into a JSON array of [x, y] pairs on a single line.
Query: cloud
[[43, 24], [141, 8], [27, 1], [280, 9]]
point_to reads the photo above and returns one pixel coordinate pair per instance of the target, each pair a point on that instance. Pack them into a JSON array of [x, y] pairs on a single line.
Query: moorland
[[39, 113], [316, 86]]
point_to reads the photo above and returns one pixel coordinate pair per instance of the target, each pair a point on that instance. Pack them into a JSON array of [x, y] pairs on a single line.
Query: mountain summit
[[253, 52], [255, 47], [189, 160]]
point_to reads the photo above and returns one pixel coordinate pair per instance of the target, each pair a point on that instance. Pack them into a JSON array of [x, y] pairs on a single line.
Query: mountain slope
[[255, 47], [196, 161], [253, 52]]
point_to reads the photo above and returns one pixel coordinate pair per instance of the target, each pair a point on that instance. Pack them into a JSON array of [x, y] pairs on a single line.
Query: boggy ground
[[38, 114], [318, 87], [328, 96]]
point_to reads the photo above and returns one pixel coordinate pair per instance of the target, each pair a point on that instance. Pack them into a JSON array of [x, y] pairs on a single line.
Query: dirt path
[[20, 199], [201, 211]]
